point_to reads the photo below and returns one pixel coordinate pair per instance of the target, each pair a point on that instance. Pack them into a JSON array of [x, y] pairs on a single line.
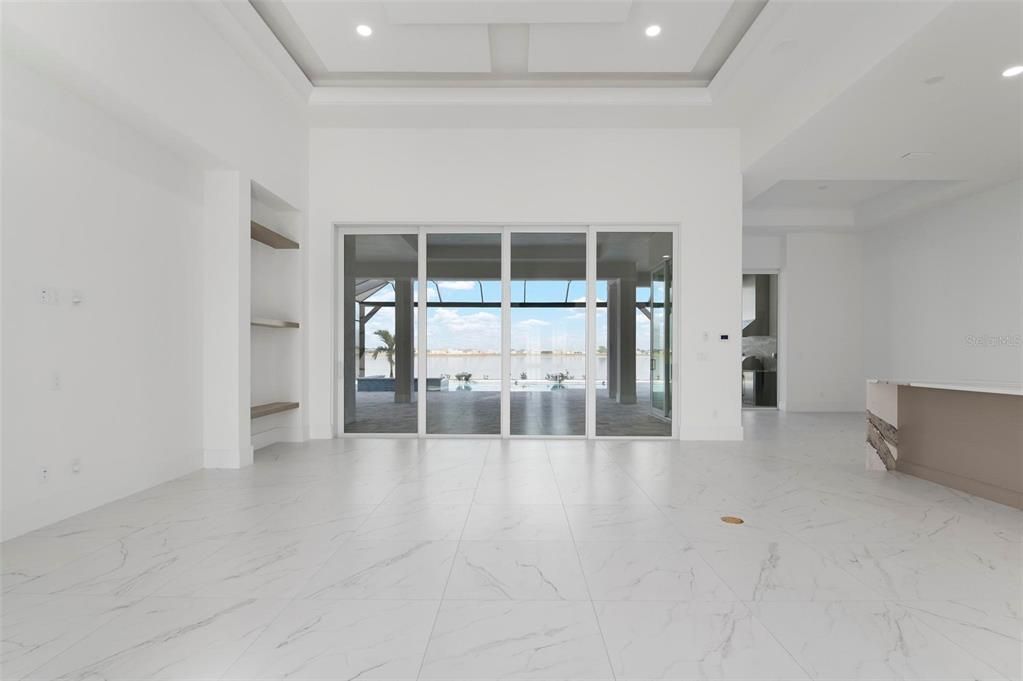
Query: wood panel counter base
[[970, 441]]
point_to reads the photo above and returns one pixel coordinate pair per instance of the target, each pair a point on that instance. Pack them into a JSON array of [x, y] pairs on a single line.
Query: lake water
[[486, 369]]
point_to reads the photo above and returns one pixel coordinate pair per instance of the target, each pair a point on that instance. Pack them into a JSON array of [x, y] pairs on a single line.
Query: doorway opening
[[760, 341]]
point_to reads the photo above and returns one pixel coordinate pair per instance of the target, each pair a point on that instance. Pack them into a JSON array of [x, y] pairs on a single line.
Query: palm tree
[[387, 348]]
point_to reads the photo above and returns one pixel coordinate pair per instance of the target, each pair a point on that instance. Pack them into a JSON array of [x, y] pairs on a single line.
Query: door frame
[[781, 339], [506, 229]]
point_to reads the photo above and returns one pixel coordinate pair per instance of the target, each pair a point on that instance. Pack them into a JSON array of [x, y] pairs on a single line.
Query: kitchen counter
[[968, 436]]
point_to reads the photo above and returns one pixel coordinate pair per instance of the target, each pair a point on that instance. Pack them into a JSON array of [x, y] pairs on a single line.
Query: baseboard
[[824, 408], [711, 433], [227, 458], [320, 431], [279, 434]]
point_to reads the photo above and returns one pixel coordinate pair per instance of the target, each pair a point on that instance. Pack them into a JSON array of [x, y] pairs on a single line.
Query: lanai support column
[[612, 340], [626, 341], [404, 355]]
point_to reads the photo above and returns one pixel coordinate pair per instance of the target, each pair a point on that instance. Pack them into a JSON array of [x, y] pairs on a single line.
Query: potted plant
[[559, 379]]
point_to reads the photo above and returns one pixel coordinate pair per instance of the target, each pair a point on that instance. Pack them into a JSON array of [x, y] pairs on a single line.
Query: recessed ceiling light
[[652, 31], [1013, 71], [364, 30]]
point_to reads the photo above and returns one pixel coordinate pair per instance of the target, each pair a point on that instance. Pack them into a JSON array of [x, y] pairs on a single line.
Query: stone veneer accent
[[882, 436]]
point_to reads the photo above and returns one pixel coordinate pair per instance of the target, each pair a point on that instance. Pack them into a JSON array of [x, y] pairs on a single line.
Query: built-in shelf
[[259, 410], [274, 323], [265, 235]]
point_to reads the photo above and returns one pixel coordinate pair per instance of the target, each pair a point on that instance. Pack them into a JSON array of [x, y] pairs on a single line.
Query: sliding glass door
[[633, 282], [506, 331], [379, 383], [463, 334], [548, 334]]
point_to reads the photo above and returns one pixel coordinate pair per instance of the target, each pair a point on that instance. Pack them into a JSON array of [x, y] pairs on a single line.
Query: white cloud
[[458, 285], [448, 328], [533, 322]]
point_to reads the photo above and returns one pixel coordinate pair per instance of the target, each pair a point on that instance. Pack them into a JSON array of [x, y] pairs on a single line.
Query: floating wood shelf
[[265, 235], [260, 410], [274, 323]]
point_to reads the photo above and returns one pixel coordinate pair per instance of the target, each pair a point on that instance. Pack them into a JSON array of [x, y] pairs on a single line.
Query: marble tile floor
[[528, 559]]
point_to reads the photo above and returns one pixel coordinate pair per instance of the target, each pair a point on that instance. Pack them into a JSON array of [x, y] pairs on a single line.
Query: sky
[[533, 329]]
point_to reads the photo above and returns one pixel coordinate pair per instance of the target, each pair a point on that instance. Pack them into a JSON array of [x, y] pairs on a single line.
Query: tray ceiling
[[490, 42]]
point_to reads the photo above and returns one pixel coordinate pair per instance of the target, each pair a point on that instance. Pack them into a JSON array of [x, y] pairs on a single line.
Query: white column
[[505, 332], [227, 285], [421, 319], [612, 339], [404, 355], [627, 341]]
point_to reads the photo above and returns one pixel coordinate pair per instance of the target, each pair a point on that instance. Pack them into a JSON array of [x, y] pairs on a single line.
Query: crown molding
[[520, 96], [253, 40]]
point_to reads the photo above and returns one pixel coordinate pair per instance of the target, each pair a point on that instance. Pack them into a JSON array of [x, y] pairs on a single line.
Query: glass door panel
[[463, 334], [660, 340], [548, 334], [633, 395], [379, 381]]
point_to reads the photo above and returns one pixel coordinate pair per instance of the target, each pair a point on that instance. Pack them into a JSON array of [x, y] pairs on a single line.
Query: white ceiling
[[827, 194], [940, 92], [823, 92], [492, 40]]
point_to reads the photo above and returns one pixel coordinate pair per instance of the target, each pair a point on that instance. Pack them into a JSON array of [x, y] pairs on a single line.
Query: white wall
[[820, 316], [112, 115], [93, 207], [763, 252], [172, 69], [821, 335], [547, 176], [939, 277]]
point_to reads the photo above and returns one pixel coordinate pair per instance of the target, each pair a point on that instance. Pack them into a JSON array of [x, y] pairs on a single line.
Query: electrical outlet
[[44, 474], [76, 466], [55, 381]]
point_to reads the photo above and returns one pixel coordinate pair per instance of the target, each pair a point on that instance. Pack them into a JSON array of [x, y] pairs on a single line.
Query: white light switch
[[48, 295]]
